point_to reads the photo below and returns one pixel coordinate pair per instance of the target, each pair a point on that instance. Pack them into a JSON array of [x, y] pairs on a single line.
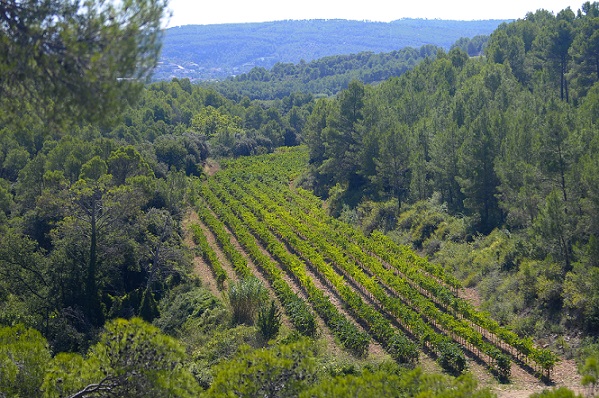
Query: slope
[[382, 292]]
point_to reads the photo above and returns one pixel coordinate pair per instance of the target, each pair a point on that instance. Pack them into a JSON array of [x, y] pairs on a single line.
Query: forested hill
[[217, 51], [328, 75]]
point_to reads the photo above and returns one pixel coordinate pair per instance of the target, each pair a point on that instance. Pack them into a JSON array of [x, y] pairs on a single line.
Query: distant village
[[167, 70]]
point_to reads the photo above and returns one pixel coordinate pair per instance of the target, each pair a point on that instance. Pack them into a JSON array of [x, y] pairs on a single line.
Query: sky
[[203, 12]]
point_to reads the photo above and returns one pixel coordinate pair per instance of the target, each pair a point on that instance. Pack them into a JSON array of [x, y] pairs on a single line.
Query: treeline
[[169, 114], [324, 76], [474, 46], [507, 144]]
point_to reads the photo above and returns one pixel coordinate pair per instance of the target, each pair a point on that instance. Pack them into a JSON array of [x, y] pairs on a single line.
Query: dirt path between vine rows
[[374, 349], [206, 275], [222, 257], [257, 272], [523, 384], [201, 268]]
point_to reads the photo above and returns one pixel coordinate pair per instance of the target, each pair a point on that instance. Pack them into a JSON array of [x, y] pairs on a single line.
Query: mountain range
[[208, 52]]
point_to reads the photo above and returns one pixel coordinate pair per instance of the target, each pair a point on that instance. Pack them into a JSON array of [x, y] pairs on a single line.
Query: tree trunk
[[94, 309]]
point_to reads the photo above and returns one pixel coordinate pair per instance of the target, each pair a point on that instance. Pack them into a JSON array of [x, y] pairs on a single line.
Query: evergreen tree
[[77, 60]]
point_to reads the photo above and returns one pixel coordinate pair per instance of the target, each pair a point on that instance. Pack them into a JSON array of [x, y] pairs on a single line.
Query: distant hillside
[[324, 76], [218, 51]]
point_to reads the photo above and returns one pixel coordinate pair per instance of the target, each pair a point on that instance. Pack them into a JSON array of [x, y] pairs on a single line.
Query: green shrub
[[24, 357], [245, 297], [283, 370], [189, 305], [148, 309], [269, 321]]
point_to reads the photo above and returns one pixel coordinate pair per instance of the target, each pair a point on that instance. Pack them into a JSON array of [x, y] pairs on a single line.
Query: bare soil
[[375, 350], [222, 258], [258, 274], [470, 294], [524, 384], [211, 167], [201, 268]]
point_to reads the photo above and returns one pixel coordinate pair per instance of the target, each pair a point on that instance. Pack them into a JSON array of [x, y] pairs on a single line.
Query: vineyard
[[325, 272]]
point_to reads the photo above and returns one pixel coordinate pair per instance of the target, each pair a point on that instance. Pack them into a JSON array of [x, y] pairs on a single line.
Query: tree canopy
[[77, 60]]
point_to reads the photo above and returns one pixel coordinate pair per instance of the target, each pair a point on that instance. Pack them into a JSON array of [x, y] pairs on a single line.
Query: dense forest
[[164, 239], [208, 52]]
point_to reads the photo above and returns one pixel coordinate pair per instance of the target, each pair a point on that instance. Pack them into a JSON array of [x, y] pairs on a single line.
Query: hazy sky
[[187, 12]]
